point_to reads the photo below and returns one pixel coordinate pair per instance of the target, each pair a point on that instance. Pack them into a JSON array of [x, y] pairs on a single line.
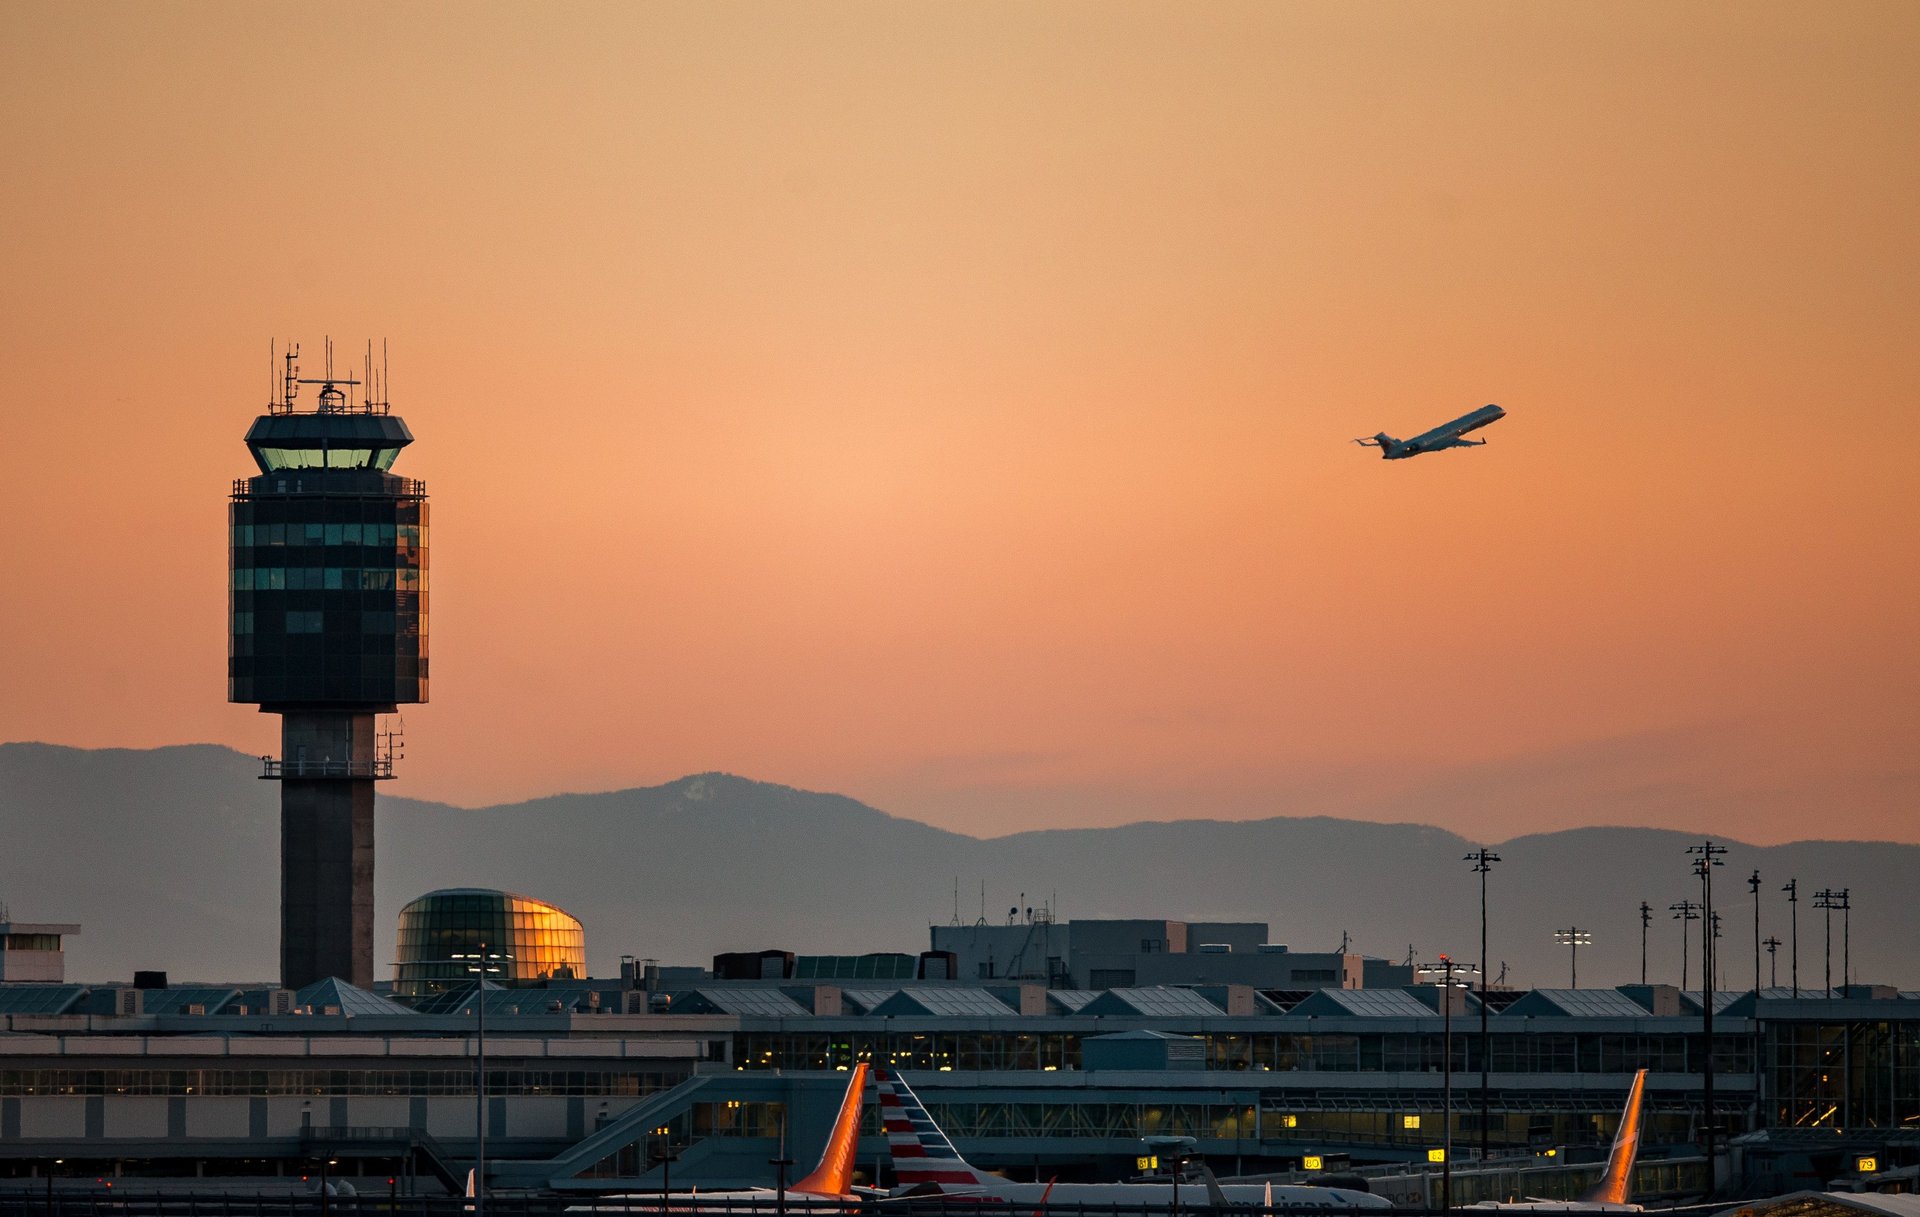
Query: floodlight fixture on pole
[[1573, 938], [1773, 960], [1483, 860], [1754, 883], [480, 965]]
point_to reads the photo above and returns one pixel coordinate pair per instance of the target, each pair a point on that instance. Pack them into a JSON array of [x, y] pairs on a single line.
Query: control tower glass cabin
[[328, 629]]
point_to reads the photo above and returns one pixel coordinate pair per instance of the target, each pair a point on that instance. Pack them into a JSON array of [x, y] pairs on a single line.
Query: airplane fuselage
[[1447, 435]]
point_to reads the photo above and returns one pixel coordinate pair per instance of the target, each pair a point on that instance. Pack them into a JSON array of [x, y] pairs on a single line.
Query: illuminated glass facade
[[544, 942]]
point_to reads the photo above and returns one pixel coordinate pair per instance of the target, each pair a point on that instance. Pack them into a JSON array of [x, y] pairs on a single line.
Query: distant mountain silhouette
[[169, 858]]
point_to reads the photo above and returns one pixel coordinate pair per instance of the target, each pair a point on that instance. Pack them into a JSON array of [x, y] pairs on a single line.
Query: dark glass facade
[[541, 942], [329, 591]]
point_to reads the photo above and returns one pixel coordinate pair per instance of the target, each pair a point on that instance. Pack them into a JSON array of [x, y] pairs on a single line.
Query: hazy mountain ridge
[[169, 858]]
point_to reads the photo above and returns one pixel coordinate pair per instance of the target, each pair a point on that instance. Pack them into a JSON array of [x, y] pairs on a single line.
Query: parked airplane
[[827, 1188], [1447, 435], [925, 1163], [1614, 1192]]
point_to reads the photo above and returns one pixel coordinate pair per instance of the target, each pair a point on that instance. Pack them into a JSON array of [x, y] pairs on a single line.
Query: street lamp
[[1754, 883], [666, 1155], [1483, 860], [480, 965], [1445, 969], [1573, 938], [1773, 960]]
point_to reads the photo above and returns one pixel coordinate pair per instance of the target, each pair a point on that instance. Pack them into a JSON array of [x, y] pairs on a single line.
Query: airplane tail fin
[[1616, 1185], [834, 1175], [921, 1152], [1381, 440]]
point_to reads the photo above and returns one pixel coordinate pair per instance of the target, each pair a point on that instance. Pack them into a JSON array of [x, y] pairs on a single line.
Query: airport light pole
[[480, 965], [1773, 961], [1792, 889], [780, 1166], [1719, 977], [1706, 856], [1846, 939], [1754, 883], [1683, 912], [1646, 919], [1483, 860], [1445, 969], [1828, 899], [1573, 938]]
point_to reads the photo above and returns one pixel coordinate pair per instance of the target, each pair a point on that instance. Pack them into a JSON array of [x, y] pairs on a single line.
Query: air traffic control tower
[[328, 629]]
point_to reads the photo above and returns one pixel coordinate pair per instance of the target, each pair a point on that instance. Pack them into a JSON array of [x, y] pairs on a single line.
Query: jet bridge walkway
[[623, 1130]]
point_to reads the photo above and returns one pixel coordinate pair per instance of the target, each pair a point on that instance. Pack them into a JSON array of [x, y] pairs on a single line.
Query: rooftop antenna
[[290, 381], [956, 901]]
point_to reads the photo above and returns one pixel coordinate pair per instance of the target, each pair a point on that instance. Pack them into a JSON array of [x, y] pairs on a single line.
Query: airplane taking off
[[828, 1187], [1447, 435], [926, 1163], [1614, 1192]]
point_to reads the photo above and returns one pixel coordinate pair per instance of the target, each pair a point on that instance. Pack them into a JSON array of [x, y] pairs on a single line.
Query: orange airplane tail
[[834, 1175], [1616, 1185]]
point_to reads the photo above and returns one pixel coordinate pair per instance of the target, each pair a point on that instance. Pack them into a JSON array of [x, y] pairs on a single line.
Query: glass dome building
[[542, 942]]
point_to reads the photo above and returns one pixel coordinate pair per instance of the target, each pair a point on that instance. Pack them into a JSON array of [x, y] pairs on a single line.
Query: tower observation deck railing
[[392, 486], [274, 770]]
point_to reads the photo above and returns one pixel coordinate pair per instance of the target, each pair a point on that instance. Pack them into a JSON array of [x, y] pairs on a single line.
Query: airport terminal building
[[591, 1083]]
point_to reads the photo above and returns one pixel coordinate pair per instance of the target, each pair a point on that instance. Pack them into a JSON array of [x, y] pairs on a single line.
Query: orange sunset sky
[[949, 405]]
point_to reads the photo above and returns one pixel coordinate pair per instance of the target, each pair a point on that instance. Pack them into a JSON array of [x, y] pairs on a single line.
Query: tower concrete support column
[[326, 848]]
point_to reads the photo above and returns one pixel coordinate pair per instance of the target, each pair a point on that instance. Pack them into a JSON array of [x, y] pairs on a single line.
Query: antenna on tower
[[290, 383]]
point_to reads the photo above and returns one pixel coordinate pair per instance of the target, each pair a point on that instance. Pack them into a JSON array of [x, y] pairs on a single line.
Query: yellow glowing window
[[1290, 1122], [1409, 1121], [1436, 1155]]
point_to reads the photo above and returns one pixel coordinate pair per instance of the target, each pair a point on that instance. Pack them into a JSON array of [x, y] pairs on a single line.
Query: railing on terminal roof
[[387, 1194], [391, 487], [275, 770]]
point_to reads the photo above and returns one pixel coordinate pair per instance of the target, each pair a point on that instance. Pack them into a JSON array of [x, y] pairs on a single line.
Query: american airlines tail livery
[[925, 1160], [1614, 1192]]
